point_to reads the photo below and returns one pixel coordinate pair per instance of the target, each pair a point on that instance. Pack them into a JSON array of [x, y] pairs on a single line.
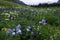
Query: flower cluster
[[18, 30], [43, 21]]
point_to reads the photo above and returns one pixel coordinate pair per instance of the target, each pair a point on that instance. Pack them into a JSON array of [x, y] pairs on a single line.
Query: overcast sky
[[37, 2]]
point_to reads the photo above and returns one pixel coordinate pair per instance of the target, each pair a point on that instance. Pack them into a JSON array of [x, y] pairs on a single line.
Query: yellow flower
[[4, 29]]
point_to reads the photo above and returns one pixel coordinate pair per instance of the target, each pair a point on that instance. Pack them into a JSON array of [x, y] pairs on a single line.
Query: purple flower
[[28, 28], [43, 21], [13, 34], [18, 27], [8, 31], [13, 30], [19, 32]]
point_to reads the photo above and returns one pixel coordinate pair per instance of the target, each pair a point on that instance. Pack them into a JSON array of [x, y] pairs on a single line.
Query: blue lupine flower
[[8, 31], [28, 28], [13, 34], [19, 32], [18, 27], [13, 30], [43, 21]]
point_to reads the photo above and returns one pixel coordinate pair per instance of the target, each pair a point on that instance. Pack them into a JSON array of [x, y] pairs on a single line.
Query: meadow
[[11, 17], [36, 23]]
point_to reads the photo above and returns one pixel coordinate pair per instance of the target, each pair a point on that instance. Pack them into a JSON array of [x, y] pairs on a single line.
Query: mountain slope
[[4, 3]]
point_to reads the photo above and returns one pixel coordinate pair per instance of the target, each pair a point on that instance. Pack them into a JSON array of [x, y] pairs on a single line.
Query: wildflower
[[51, 37], [8, 31], [28, 28], [13, 30], [43, 21], [19, 32], [4, 29], [13, 34], [18, 27], [37, 28], [11, 17]]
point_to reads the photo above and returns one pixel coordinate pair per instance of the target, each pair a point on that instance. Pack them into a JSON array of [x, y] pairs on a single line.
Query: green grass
[[27, 17], [4, 3], [30, 16]]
